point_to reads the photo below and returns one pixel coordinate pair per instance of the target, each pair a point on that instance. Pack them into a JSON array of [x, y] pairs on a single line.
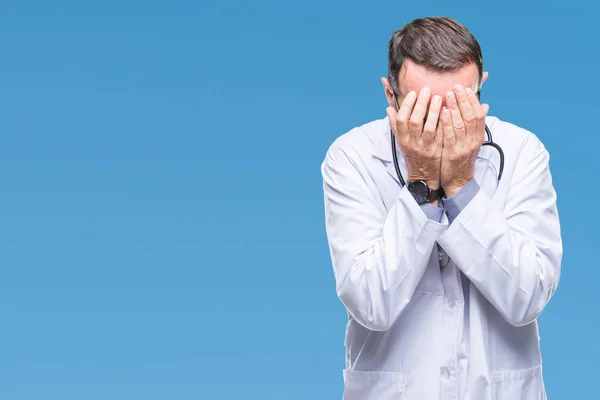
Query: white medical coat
[[411, 333]]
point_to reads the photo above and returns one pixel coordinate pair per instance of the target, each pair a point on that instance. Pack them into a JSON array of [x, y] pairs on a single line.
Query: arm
[[455, 204], [433, 212], [513, 256], [378, 259]]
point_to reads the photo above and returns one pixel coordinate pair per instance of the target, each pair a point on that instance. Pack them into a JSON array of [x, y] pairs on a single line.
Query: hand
[[463, 126], [419, 139]]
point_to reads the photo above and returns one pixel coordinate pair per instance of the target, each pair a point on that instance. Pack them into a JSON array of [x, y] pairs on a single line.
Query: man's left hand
[[463, 126]]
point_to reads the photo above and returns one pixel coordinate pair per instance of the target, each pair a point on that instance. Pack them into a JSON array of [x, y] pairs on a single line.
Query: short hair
[[440, 44]]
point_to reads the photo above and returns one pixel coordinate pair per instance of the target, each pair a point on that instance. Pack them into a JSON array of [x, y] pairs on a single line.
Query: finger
[[479, 126], [486, 109], [475, 105], [438, 140], [456, 118], [403, 114], [432, 120], [418, 114], [448, 128], [466, 110]]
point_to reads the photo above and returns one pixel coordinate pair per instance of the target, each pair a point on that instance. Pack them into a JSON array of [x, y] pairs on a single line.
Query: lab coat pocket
[[368, 385], [523, 384]]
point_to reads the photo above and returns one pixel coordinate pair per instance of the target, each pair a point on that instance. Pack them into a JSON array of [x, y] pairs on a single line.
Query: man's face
[[414, 77]]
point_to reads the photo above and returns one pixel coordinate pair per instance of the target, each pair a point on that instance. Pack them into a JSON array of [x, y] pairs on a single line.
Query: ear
[[389, 93], [484, 76]]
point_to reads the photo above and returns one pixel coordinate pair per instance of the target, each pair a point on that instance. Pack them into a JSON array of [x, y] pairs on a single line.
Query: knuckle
[[428, 129], [414, 124], [459, 126]]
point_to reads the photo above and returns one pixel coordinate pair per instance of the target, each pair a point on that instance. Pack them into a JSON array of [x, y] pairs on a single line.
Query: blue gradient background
[[162, 232]]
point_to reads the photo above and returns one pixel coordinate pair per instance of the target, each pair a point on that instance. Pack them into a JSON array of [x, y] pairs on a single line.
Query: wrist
[[451, 189], [423, 193], [433, 184]]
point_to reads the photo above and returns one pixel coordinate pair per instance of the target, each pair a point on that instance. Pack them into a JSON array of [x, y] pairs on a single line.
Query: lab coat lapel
[[391, 169], [382, 150], [486, 169]]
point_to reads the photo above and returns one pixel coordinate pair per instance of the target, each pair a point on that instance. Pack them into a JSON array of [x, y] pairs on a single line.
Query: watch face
[[419, 190]]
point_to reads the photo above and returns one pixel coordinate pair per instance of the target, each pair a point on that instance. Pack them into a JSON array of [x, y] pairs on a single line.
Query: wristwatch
[[422, 193]]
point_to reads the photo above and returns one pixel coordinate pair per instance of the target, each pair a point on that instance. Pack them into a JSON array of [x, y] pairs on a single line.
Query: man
[[443, 277]]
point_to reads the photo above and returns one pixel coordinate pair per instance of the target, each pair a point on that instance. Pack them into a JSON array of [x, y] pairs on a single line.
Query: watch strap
[[423, 193], [435, 194]]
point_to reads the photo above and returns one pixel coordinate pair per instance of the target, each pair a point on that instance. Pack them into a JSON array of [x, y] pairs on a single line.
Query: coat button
[[444, 259], [445, 373]]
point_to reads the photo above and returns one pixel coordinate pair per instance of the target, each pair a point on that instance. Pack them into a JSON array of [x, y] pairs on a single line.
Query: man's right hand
[[419, 139]]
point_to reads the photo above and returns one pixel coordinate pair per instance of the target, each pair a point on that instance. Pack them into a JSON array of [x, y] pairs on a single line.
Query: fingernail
[[459, 89], [450, 96], [411, 94], [425, 91], [437, 99], [469, 91]]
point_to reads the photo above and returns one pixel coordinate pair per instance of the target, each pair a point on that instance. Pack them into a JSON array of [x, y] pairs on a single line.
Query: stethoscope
[[489, 142]]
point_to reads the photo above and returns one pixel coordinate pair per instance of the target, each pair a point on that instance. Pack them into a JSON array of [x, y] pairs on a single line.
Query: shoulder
[[515, 137], [359, 141]]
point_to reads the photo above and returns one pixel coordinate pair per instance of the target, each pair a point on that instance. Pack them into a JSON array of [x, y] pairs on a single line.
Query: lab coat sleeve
[[432, 212], [378, 257], [512, 254]]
